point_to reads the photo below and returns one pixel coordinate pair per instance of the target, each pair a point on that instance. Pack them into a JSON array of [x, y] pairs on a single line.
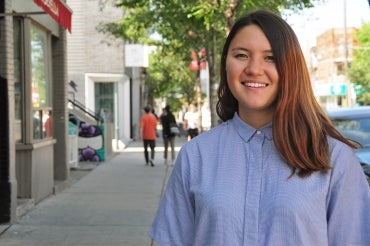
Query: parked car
[[354, 123]]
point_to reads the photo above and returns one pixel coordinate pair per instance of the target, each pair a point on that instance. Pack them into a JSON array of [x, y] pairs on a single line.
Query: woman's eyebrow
[[245, 49], [239, 48]]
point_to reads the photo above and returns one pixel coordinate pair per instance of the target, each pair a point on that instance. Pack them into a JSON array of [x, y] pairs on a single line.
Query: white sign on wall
[[136, 55]]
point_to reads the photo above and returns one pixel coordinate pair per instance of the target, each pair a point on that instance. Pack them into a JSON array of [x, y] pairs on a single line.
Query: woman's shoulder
[[342, 156], [206, 145], [337, 146], [212, 137], [346, 167], [215, 131]]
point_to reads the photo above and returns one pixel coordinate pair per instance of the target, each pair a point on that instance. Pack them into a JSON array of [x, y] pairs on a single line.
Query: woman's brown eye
[[241, 56], [270, 58]]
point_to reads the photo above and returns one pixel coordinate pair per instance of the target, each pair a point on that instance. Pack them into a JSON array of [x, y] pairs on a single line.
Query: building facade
[[44, 64], [333, 54], [96, 64], [33, 82]]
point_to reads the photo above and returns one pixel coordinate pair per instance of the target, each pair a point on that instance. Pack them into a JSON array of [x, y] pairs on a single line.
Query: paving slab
[[114, 203]]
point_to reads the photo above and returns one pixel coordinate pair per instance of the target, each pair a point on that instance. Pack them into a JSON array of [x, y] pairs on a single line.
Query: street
[[113, 204]]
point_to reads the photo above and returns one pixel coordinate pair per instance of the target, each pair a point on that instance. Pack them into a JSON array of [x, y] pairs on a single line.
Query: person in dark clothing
[[166, 119]]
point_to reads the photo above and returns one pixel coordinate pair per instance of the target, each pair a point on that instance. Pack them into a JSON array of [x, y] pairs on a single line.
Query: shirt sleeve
[[348, 211], [174, 222]]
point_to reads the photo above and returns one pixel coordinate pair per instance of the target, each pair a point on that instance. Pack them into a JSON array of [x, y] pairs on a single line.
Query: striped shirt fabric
[[230, 186]]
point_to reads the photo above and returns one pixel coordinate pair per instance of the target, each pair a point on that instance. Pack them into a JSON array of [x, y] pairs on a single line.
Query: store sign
[[136, 55], [58, 10], [338, 89], [331, 89]]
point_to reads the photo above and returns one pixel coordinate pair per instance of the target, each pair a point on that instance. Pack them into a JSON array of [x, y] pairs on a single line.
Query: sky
[[312, 22]]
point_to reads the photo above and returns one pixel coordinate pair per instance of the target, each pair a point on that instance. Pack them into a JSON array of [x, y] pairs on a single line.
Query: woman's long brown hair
[[300, 126]]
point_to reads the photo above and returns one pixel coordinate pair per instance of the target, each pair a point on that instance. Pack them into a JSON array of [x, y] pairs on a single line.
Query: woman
[[276, 172], [167, 118]]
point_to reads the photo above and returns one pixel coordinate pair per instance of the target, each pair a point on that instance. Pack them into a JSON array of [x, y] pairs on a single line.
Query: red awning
[[58, 10]]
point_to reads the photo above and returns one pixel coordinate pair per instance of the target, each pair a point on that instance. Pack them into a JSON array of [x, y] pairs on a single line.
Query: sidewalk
[[113, 204]]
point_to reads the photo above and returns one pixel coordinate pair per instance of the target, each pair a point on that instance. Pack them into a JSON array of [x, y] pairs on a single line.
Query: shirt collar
[[246, 132]]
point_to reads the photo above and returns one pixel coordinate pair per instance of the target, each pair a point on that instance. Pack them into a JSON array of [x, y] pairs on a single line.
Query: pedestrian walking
[[148, 125], [167, 120], [276, 171], [191, 122]]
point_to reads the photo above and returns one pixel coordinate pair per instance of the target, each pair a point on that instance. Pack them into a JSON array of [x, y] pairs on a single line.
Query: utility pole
[[197, 64], [347, 81]]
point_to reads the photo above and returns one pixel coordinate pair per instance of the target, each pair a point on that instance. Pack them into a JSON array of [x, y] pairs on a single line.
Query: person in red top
[[148, 129], [49, 125]]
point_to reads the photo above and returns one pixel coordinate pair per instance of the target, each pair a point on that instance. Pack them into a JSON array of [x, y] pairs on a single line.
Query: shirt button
[[258, 132]]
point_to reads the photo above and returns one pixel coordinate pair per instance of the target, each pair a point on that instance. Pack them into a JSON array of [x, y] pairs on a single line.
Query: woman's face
[[251, 72]]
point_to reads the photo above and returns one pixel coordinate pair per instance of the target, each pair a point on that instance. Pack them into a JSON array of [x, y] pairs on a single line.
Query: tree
[[185, 26], [359, 71], [170, 78]]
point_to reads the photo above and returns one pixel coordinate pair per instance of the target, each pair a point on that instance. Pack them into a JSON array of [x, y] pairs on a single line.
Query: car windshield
[[355, 129]]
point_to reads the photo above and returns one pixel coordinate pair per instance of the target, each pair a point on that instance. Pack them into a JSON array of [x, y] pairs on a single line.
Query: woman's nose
[[254, 66]]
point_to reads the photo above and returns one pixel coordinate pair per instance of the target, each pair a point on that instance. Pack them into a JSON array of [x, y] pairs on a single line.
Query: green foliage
[[183, 26], [359, 70], [170, 78]]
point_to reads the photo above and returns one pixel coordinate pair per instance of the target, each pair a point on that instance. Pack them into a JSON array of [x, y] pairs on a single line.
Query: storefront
[[34, 77], [335, 94]]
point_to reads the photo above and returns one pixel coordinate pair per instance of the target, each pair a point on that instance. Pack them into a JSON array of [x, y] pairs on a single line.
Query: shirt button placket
[[253, 190]]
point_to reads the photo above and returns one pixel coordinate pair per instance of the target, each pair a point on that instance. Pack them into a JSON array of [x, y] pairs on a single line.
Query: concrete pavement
[[114, 204]]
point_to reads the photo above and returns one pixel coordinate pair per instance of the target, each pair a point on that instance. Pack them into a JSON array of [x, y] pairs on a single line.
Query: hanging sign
[[58, 10]]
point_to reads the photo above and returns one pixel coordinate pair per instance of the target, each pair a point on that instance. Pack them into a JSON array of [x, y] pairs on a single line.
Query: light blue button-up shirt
[[230, 186]]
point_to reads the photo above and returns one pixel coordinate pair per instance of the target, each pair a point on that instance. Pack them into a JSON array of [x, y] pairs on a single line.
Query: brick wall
[[8, 184], [88, 50], [59, 88]]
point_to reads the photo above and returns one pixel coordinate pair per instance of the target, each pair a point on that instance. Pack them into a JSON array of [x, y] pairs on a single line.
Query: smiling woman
[[275, 166]]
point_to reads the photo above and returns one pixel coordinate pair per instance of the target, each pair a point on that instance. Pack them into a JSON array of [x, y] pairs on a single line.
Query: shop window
[[32, 82], [105, 97], [340, 69], [18, 78], [42, 124], [41, 83]]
